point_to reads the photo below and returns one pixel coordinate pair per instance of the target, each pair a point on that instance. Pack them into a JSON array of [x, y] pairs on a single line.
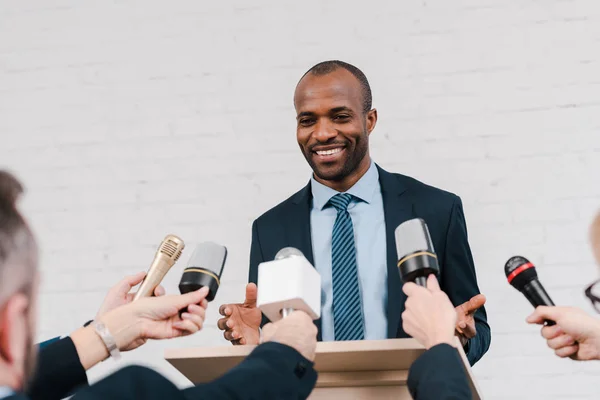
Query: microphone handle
[[537, 296], [421, 281]]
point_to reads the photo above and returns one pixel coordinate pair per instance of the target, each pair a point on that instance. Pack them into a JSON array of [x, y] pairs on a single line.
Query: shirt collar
[[364, 189], [5, 391]]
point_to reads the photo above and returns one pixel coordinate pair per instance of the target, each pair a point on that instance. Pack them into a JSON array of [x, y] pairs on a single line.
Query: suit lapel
[[298, 233], [397, 208]]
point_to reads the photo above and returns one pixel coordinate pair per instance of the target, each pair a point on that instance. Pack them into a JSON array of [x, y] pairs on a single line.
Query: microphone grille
[[412, 236], [172, 246], [210, 256], [513, 263], [288, 252]]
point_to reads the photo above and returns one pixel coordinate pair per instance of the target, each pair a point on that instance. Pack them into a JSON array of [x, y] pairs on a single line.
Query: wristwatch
[[108, 339]]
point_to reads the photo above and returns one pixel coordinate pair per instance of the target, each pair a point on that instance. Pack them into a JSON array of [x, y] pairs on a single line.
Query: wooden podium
[[367, 369]]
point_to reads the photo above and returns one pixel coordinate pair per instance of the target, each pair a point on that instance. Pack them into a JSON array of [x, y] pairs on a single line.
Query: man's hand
[[156, 318], [242, 321], [119, 294], [575, 335], [429, 316], [297, 330], [465, 323]]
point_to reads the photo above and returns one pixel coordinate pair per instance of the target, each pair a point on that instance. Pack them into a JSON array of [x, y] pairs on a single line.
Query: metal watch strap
[[108, 339]]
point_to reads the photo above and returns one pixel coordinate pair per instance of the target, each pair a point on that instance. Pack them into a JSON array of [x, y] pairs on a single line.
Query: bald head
[[328, 67]]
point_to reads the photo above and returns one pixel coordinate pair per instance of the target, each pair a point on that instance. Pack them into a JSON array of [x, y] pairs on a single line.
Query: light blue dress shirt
[[5, 391], [368, 220]]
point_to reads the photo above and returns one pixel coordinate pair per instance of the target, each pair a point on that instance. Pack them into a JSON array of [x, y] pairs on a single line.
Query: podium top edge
[[322, 348]]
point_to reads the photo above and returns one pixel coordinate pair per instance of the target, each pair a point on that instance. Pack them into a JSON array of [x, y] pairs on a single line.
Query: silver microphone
[[416, 255], [204, 269]]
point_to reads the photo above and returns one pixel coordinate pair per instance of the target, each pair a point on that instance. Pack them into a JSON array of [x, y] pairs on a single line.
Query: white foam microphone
[[416, 256], [288, 283]]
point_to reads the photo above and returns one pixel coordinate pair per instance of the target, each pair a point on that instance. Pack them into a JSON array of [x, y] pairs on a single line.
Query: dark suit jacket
[[404, 198], [58, 373], [438, 374], [271, 371]]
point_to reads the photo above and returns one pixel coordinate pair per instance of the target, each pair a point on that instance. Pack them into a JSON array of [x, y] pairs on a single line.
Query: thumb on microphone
[[433, 284], [543, 313]]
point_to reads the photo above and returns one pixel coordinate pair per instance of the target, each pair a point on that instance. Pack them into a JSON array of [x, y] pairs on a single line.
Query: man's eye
[[341, 117], [305, 122]]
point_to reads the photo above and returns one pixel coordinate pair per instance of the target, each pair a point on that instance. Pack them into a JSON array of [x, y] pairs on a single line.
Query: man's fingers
[[468, 330], [543, 313], [222, 324], [410, 288], [185, 300], [251, 295], [225, 310], [133, 280], [228, 335], [560, 341], [194, 318], [159, 291], [432, 283], [567, 351], [550, 332], [474, 304], [197, 310], [186, 327]]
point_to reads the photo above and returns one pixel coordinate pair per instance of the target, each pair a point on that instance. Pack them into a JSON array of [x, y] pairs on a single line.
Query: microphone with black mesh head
[[204, 269], [521, 274], [416, 256]]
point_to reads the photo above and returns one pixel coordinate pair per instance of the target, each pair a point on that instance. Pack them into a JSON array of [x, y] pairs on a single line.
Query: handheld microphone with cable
[[288, 283], [166, 256], [204, 269], [521, 274], [416, 256]]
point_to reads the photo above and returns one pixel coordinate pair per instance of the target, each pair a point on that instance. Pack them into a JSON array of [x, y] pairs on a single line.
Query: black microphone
[[521, 274], [204, 269], [416, 256]]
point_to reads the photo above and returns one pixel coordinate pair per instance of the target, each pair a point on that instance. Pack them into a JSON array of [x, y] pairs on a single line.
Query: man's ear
[[14, 326], [371, 119]]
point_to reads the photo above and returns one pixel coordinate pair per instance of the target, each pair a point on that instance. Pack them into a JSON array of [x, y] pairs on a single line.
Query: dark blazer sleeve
[[271, 371], [133, 382], [256, 257], [58, 371], [459, 280], [438, 374]]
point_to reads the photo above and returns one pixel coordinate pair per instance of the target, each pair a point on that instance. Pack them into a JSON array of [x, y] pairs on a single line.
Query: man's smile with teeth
[[329, 152]]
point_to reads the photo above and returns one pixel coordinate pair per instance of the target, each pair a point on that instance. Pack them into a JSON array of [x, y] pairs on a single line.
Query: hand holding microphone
[[417, 261], [416, 256], [521, 274], [290, 296], [289, 283], [575, 334]]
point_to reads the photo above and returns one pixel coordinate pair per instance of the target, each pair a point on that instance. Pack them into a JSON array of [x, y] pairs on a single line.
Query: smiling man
[[344, 220]]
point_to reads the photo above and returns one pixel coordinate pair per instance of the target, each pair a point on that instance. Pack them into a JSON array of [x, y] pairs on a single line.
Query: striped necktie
[[347, 310]]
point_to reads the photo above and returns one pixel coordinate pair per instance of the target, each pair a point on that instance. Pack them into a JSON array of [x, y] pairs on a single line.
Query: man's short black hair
[[327, 67]]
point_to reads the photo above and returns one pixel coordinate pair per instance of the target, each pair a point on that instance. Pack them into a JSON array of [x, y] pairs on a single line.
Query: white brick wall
[[128, 120]]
